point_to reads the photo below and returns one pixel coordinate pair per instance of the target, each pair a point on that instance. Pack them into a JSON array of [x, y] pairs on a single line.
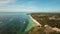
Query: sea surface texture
[[13, 22]]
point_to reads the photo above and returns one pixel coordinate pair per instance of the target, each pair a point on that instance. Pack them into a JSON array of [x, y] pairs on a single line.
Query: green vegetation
[[37, 30], [52, 20]]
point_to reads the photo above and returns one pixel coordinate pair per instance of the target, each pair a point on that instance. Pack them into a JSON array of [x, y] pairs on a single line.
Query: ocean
[[14, 22]]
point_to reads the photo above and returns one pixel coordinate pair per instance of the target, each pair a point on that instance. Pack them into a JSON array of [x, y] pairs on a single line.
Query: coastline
[[36, 22]]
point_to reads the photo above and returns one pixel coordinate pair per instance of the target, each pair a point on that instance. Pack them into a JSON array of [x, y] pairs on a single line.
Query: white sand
[[36, 22]]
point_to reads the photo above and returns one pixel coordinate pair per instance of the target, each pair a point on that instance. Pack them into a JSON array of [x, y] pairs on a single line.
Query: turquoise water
[[30, 25], [14, 23]]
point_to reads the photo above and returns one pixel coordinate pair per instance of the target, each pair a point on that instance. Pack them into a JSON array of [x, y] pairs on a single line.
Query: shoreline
[[36, 22]]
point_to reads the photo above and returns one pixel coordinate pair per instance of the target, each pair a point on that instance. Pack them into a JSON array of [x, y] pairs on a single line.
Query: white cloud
[[17, 10], [27, 10], [3, 2]]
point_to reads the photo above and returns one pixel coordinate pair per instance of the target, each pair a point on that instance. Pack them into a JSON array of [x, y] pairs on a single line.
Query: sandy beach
[[36, 22]]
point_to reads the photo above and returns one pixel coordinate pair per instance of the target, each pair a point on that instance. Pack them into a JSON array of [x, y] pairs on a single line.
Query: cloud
[[3, 2], [27, 10], [17, 10]]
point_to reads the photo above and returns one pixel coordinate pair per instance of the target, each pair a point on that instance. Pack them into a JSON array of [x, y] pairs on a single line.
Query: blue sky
[[29, 5]]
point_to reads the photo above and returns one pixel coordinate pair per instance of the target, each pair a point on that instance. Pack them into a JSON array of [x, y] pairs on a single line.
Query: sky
[[29, 5]]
